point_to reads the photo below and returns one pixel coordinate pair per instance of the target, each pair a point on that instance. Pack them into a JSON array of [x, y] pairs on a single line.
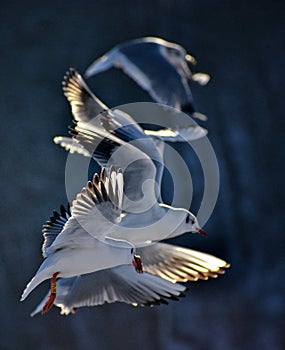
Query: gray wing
[[119, 284], [166, 82], [178, 264], [143, 61], [151, 71], [103, 63]]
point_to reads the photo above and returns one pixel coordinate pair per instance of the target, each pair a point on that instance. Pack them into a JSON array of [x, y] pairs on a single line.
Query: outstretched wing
[[119, 284], [99, 204], [71, 145], [146, 61], [115, 138], [178, 264], [96, 209], [54, 226], [84, 104]]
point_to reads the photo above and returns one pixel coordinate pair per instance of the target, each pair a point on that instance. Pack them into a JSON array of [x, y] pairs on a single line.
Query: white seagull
[[73, 251], [114, 138], [164, 265], [137, 217], [159, 67], [86, 106]]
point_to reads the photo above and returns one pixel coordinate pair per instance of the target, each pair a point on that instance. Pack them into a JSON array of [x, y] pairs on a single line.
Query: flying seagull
[[164, 265], [73, 251], [114, 138], [158, 66], [140, 219], [86, 106]]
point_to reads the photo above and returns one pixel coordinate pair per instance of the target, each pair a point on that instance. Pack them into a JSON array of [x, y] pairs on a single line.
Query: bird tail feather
[[43, 274]]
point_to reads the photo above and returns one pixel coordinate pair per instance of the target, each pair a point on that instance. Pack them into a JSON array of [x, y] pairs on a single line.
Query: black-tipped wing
[[94, 214], [84, 104], [119, 284], [54, 226], [179, 264], [103, 195]]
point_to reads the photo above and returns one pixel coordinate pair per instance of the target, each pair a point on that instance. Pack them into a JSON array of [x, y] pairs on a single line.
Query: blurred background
[[241, 45]]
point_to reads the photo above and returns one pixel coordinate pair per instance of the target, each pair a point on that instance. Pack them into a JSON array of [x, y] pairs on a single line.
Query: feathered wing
[[171, 262], [103, 63], [146, 62], [100, 203], [87, 107], [53, 227], [178, 264], [179, 134], [94, 212], [119, 284], [71, 145], [143, 61], [65, 231], [84, 104], [113, 138], [164, 264]]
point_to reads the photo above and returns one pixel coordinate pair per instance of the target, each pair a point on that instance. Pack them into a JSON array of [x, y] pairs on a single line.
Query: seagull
[[73, 251], [140, 219], [86, 106], [115, 139], [164, 265], [158, 66]]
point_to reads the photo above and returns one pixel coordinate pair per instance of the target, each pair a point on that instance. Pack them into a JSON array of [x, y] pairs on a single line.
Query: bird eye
[[132, 250], [187, 219]]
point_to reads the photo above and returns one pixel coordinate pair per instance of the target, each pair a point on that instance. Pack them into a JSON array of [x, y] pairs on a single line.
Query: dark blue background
[[241, 44]]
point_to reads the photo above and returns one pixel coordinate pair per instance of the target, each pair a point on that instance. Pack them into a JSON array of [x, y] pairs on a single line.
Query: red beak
[[202, 232]]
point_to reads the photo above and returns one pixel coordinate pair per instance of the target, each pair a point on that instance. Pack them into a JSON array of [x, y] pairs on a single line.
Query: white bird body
[[133, 224], [164, 265], [69, 262], [70, 250], [154, 225]]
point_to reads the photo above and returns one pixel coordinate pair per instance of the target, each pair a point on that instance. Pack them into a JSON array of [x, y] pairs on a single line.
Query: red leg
[[49, 303], [137, 263]]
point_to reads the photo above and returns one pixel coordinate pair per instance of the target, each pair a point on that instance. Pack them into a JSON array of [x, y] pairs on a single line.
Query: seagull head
[[192, 222], [179, 58], [188, 221]]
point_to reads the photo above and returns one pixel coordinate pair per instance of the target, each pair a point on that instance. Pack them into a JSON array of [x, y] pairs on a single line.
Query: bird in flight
[[164, 266], [73, 251], [115, 139], [159, 67]]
